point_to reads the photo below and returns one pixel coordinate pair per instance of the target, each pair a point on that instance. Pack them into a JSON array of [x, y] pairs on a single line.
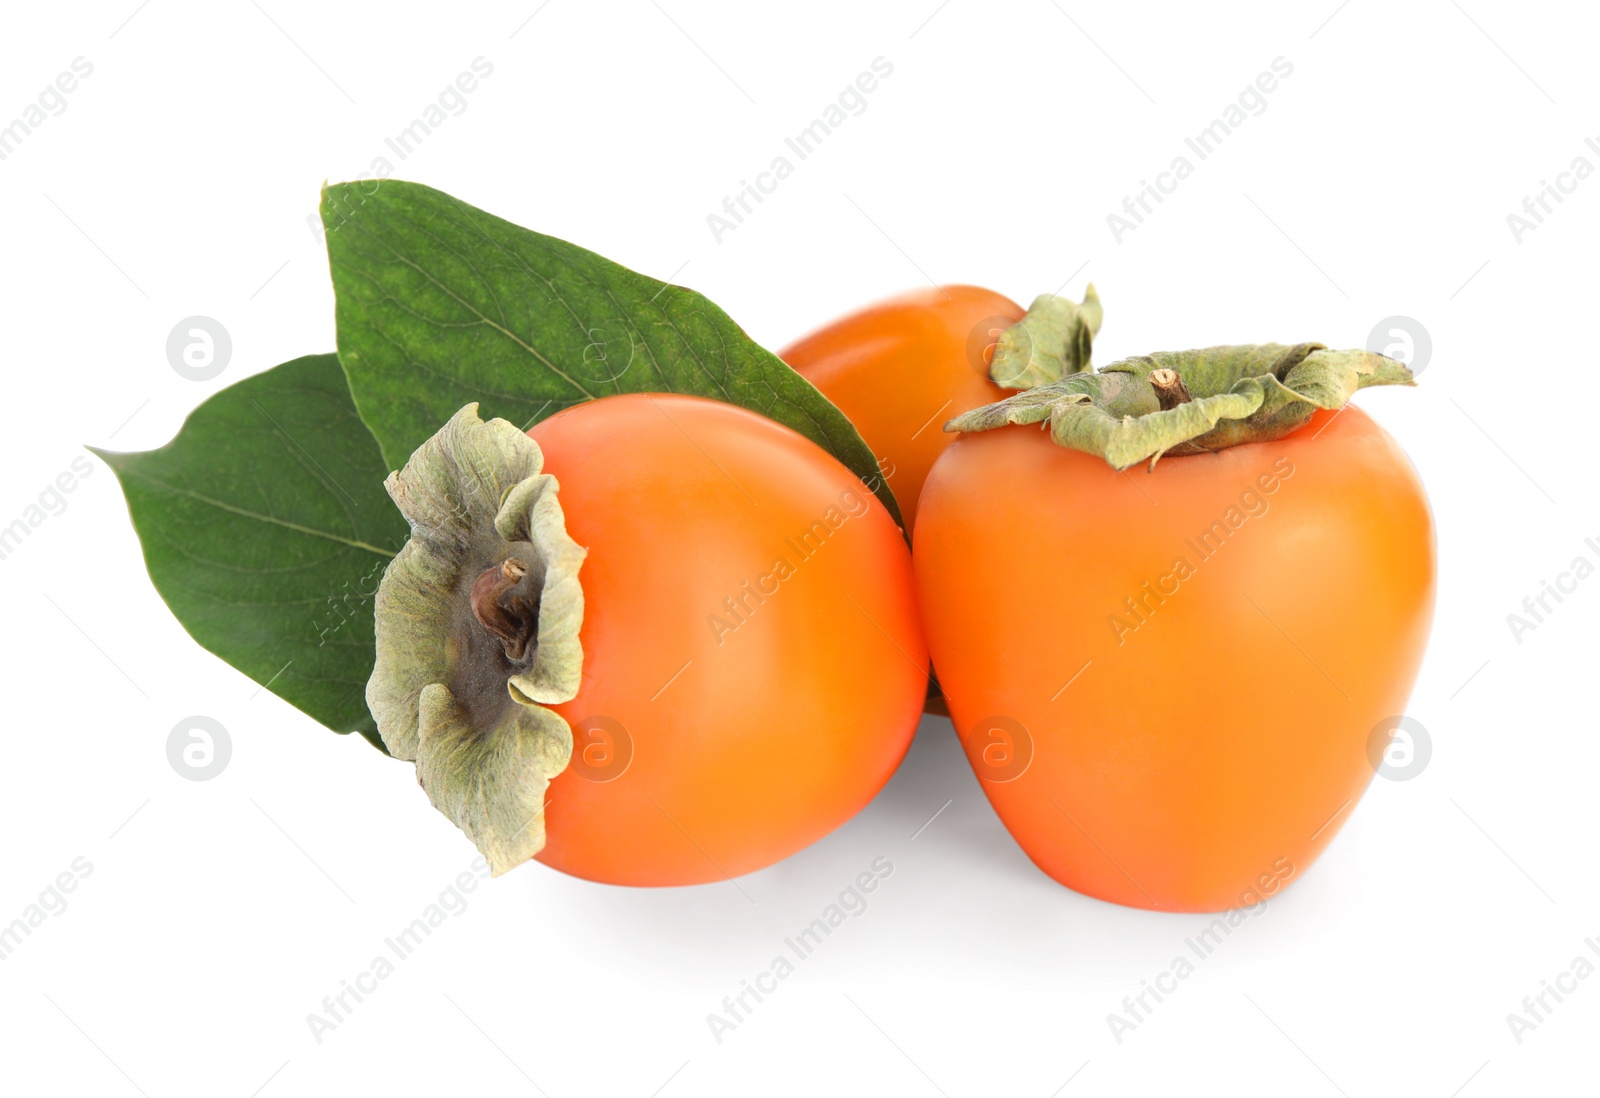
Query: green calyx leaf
[[440, 304], [477, 623], [1053, 340], [265, 528], [492, 785], [1190, 402]]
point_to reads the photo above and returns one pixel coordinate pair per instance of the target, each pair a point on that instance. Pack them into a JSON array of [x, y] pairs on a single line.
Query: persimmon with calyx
[[657, 640], [901, 367], [1168, 679]]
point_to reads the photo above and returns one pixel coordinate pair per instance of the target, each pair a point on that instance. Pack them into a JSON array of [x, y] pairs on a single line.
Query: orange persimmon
[[753, 667], [898, 369], [1168, 681]]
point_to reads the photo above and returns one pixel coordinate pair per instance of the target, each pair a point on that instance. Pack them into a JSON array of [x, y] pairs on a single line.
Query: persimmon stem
[[510, 617], [1169, 387]]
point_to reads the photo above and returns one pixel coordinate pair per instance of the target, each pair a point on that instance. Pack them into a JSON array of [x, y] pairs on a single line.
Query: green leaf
[[266, 528], [441, 305]]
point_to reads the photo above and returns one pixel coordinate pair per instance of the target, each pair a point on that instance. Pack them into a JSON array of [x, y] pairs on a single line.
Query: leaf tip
[[112, 458]]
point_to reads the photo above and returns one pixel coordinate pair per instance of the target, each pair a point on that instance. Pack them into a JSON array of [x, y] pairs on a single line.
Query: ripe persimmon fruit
[[657, 640], [1166, 679], [750, 626], [898, 369], [901, 367]]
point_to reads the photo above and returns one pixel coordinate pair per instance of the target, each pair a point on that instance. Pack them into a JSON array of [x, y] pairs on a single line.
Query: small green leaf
[[266, 529], [440, 305]]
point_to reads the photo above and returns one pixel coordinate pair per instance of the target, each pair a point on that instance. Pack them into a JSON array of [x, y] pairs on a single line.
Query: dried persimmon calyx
[[1053, 340], [477, 622], [1190, 402]]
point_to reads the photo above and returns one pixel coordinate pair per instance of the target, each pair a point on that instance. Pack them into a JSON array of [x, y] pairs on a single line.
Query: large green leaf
[[266, 528], [441, 304]]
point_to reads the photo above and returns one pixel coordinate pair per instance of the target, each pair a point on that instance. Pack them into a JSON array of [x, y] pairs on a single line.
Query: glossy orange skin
[[1204, 759], [747, 750], [899, 369]]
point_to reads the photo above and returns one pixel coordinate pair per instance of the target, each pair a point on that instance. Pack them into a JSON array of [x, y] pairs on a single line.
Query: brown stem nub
[[510, 617], [1169, 387]]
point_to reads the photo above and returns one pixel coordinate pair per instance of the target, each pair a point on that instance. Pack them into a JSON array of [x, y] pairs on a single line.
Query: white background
[[1378, 182]]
